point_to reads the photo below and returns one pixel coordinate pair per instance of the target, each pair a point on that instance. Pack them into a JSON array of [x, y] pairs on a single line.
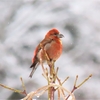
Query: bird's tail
[[34, 67]]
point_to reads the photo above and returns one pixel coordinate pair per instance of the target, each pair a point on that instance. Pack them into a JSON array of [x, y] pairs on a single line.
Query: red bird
[[53, 47]]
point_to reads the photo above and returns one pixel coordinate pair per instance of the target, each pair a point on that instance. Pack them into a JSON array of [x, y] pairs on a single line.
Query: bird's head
[[54, 33]]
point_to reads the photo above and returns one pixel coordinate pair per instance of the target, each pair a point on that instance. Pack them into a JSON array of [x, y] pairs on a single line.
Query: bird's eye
[[55, 34]]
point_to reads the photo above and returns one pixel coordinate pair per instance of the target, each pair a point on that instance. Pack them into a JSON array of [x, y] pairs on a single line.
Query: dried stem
[[62, 93], [62, 82], [15, 90], [61, 85], [76, 87], [24, 89], [58, 94], [84, 81], [65, 80]]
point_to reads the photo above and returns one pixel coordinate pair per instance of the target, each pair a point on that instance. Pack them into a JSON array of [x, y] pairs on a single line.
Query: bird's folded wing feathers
[[44, 43]]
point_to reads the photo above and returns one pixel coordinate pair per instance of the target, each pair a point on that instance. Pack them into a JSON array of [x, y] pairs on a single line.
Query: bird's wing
[[43, 44]]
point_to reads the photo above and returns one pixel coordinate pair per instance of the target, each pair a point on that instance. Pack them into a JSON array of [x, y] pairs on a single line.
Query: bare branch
[[84, 81], [77, 86]]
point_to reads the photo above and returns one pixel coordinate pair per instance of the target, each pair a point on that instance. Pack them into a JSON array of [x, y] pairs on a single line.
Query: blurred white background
[[24, 23]]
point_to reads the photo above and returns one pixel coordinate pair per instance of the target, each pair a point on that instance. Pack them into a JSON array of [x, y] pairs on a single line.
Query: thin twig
[[46, 70], [15, 90], [23, 85], [84, 81], [75, 80], [77, 86], [62, 93], [65, 80], [12, 89], [35, 93], [56, 74], [58, 94], [42, 66], [61, 85]]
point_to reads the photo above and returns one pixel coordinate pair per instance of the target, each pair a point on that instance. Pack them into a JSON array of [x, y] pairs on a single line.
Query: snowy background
[[24, 23]]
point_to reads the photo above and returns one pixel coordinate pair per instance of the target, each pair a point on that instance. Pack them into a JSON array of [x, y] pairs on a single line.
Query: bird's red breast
[[51, 44]]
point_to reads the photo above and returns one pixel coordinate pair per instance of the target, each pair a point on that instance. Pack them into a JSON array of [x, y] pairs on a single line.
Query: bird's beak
[[60, 35]]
